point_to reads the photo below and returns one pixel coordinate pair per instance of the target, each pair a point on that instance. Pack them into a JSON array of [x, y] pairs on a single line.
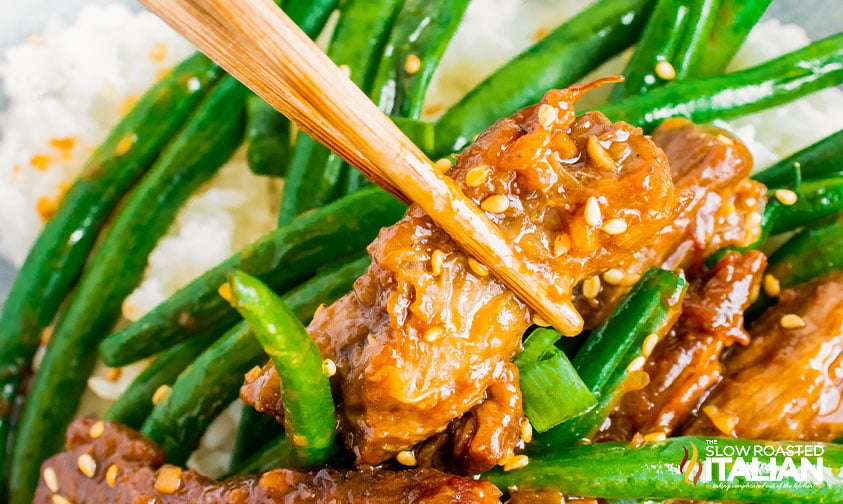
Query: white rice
[[75, 81]]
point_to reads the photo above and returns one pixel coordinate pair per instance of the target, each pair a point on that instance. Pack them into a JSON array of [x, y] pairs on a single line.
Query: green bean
[[310, 416], [651, 307], [811, 253], [252, 432], [115, 267], [268, 138], [735, 19], [59, 254], [268, 132], [315, 172], [208, 385], [676, 33], [422, 30], [819, 160], [275, 453], [281, 258], [135, 403], [652, 471], [794, 75], [566, 54], [816, 200]]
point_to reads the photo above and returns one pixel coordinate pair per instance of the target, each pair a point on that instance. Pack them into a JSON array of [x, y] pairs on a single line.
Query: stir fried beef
[[788, 383], [427, 330], [685, 365], [721, 207], [106, 462]]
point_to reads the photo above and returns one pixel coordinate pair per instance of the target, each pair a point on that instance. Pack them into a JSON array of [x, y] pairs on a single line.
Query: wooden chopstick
[[259, 45]]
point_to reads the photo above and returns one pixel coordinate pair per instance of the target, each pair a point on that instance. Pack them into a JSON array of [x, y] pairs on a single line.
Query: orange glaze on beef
[[129, 469], [424, 333], [788, 383]]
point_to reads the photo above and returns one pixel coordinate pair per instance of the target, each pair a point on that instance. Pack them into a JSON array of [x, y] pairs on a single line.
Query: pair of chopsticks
[[259, 45]]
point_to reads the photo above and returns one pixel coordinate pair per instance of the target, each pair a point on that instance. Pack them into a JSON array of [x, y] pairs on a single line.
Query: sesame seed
[[637, 364], [442, 166], [772, 286], [433, 333], [754, 293], [60, 499], [540, 321], [111, 475], [665, 70], [516, 462], [526, 430], [113, 374], [87, 465], [168, 481], [791, 321], [125, 144], [225, 292], [614, 226], [329, 367], [477, 267], [437, 258], [593, 215], [724, 139], [495, 204], [547, 115], [637, 440], [346, 70], [160, 394], [477, 175], [407, 458], [412, 64], [299, 440], [600, 155], [655, 436], [46, 334], [51, 480], [591, 287], [561, 244], [649, 344], [786, 196], [97, 429], [253, 374], [614, 276]]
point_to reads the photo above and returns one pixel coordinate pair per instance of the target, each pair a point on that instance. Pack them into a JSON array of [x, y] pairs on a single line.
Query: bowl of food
[[206, 305]]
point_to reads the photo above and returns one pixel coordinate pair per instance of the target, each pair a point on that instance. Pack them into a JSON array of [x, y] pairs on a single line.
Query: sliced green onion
[[651, 307]]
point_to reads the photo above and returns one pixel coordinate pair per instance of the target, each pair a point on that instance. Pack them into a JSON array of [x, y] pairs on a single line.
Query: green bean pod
[[275, 453], [268, 139], [116, 267], [135, 403], [252, 432], [281, 258], [316, 173], [669, 469], [734, 21], [310, 416], [566, 54], [209, 385], [268, 132], [422, 30], [58, 255], [781, 80], [816, 200], [651, 307], [819, 160], [675, 33]]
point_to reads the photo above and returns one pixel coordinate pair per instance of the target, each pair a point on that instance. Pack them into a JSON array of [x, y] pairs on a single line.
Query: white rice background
[[69, 85]]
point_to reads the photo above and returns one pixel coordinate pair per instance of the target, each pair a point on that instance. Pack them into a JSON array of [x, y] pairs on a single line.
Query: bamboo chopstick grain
[[260, 46]]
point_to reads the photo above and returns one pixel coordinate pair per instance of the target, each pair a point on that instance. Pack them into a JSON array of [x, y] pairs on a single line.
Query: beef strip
[[788, 383], [419, 341], [126, 468], [721, 207], [685, 365]]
